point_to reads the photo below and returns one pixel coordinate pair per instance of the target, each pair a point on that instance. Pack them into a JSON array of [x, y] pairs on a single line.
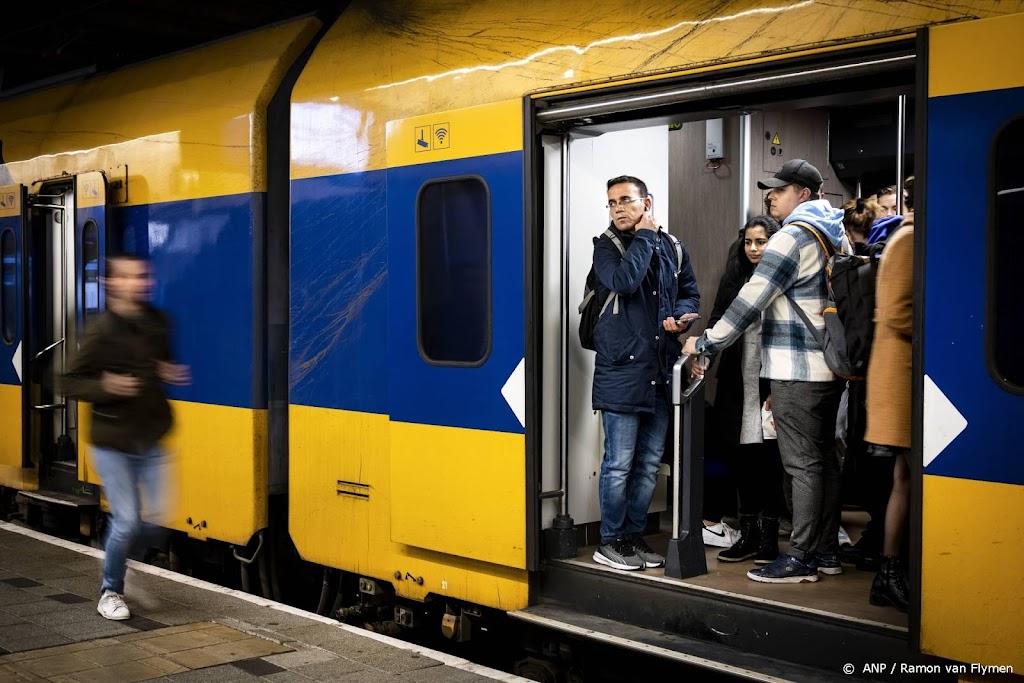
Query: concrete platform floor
[[182, 629]]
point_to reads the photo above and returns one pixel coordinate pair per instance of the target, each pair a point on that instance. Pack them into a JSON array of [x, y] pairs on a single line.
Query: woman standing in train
[[889, 398], [741, 393]]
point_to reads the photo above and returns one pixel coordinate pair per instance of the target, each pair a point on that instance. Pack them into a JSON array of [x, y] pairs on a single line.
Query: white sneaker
[[111, 606], [843, 537], [720, 535]]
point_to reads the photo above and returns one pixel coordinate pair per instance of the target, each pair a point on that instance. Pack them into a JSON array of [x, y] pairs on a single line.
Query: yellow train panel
[[183, 126], [491, 53], [12, 474], [962, 617], [474, 131], [340, 512], [217, 472], [960, 57], [449, 483]]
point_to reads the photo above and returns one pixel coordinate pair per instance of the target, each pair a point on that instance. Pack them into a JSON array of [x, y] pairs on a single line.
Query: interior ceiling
[[54, 40]]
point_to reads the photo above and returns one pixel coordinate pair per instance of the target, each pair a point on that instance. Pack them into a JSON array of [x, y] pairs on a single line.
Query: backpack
[[850, 312], [589, 309]]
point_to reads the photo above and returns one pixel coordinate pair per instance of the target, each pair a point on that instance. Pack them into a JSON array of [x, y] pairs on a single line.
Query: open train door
[[91, 247], [16, 469], [968, 365]]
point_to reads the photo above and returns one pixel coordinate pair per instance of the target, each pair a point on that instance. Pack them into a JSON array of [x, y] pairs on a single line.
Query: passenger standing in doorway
[[120, 368], [741, 393], [805, 392], [654, 299], [888, 388]]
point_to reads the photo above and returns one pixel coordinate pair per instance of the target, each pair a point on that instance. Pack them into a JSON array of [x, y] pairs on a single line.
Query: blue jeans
[[633, 445], [123, 474]]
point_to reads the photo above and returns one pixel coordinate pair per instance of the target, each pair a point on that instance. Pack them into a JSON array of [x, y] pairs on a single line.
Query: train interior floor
[[181, 629], [844, 596]]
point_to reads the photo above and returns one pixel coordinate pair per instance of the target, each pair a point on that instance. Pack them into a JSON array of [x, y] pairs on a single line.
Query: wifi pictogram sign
[[442, 135]]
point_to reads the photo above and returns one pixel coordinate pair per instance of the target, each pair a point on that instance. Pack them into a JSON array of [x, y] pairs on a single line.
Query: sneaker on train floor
[[618, 554], [720, 535], [785, 569], [826, 564], [645, 552], [111, 606]]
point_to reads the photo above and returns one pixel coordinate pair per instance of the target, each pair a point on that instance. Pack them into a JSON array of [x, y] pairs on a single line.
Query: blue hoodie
[[821, 215], [883, 228]]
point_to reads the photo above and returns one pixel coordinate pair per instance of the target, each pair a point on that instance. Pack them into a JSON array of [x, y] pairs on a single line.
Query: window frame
[[3, 308], [85, 309], [490, 272], [991, 312]]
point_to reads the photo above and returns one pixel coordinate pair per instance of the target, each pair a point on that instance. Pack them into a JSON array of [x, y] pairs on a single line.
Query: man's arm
[[625, 274], [83, 379], [775, 274]]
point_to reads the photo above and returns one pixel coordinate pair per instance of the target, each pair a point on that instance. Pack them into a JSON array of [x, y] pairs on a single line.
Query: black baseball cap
[[794, 171]]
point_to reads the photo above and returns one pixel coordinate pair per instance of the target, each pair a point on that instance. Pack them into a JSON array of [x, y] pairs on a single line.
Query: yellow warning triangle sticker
[[776, 140]]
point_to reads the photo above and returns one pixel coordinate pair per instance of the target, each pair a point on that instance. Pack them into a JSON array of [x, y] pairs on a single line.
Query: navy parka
[[634, 352]]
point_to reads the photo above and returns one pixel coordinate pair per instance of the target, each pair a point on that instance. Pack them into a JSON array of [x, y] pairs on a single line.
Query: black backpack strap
[[818, 336]]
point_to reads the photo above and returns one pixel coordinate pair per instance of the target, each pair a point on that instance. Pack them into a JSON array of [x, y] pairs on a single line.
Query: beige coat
[[889, 370]]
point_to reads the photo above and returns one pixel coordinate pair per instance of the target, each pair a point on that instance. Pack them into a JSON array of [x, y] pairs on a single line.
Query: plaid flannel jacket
[[793, 263]]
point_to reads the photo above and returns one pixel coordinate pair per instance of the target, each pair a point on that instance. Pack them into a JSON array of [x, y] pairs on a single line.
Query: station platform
[[182, 629]]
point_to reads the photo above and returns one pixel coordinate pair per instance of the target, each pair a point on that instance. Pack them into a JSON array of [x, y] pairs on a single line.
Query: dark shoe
[[768, 548], [644, 552], [827, 564], [618, 554], [870, 561], [785, 569], [890, 585], [746, 547]]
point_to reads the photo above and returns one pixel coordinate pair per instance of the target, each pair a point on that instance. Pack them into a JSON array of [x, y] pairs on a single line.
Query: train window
[[9, 285], [90, 271], [1006, 306], [453, 271]]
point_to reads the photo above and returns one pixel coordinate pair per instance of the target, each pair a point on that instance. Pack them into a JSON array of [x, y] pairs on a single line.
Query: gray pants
[[805, 419]]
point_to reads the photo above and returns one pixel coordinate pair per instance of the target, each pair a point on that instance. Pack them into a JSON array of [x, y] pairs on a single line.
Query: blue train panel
[[339, 306], [204, 257], [427, 393], [960, 128], [11, 291]]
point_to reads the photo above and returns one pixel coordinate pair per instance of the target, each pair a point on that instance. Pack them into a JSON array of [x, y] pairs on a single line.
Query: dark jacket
[[127, 346], [634, 352], [729, 372]]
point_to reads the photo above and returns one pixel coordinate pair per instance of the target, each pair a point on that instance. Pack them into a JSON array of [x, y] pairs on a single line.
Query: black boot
[[768, 548], [746, 547], [890, 585]]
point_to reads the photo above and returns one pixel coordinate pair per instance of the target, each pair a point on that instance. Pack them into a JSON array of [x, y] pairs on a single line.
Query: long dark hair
[[737, 254]]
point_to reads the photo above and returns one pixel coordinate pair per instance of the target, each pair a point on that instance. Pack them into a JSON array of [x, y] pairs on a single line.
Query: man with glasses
[[789, 288], [650, 296]]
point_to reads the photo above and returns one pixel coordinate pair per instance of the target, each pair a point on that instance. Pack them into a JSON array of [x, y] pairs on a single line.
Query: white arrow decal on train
[[17, 361], [942, 421], [514, 392]]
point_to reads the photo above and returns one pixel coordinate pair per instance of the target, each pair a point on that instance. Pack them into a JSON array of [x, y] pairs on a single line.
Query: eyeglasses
[[624, 201]]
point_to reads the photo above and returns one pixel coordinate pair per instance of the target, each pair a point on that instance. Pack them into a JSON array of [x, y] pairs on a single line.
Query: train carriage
[[373, 232]]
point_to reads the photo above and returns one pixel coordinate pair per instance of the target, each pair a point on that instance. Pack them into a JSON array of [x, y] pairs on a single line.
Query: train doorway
[[700, 146], [65, 241]]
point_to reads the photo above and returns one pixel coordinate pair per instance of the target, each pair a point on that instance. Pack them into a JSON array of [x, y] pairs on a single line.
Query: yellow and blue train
[[355, 226]]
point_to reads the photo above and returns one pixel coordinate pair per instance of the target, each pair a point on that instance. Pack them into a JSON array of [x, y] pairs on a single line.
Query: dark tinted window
[[90, 271], [453, 270], [1006, 305], [9, 285]]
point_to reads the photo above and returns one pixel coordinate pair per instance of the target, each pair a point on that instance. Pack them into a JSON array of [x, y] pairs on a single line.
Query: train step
[[688, 651], [61, 498]]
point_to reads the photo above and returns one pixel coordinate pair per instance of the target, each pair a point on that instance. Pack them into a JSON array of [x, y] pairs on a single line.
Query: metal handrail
[[679, 398], [49, 348]]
